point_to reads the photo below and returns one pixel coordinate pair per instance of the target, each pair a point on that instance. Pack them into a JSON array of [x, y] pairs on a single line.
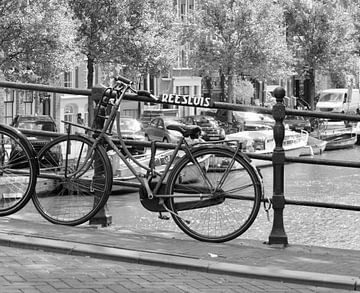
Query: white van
[[339, 101]]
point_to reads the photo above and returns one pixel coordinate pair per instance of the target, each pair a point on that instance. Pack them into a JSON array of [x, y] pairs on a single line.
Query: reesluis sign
[[185, 100]]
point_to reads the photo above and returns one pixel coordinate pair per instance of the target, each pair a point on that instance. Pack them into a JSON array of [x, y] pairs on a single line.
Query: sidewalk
[[316, 266]]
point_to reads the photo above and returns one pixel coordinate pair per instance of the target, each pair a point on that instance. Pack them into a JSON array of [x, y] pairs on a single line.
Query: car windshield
[[331, 97], [130, 125], [251, 116], [172, 122], [206, 122], [38, 125]]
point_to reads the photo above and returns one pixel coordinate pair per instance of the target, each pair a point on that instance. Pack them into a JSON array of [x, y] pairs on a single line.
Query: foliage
[[243, 91], [36, 40], [239, 38], [323, 36], [126, 36]]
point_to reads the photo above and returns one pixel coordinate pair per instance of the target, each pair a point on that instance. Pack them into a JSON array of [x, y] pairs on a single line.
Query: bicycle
[[211, 190], [18, 170]]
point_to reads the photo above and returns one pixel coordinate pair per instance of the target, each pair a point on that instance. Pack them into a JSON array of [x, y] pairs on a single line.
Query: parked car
[[256, 127], [37, 123], [210, 128], [240, 118], [297, 123], [131, 129], [157, 129]]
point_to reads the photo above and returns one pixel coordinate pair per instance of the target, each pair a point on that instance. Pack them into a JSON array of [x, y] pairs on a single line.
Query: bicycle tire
[[74, 194], [18, 171], [231, 209]]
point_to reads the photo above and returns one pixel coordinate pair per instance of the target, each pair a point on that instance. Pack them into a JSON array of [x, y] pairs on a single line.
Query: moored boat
[[337, 138], [346, 140], [315, 146], [262, 142]]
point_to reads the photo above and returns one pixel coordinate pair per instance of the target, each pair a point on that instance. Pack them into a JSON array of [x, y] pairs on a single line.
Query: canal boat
[[341, 141], [337, 136], [161, 160], [262, 142], [357, 130], [315, 146]]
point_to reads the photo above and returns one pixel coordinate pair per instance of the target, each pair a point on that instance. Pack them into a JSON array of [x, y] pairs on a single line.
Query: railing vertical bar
[[278, 235]]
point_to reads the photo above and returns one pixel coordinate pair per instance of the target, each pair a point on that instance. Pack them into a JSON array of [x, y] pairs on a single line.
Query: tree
[[125, 36], [243, 91], [238, 38], [36, 40], [322, 35]]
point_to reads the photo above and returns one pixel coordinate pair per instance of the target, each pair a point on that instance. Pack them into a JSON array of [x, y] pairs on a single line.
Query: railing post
[[102, 217], [278, 235]]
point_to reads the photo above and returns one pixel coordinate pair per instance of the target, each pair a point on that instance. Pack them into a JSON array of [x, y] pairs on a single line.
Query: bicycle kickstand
[[162, 202]]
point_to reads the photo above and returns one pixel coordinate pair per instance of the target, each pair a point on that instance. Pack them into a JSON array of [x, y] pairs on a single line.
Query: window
[[76, 77], [184, 63], [9, 106], [160, 124], [183, 56], [184, 7], [28, 101], [182, 90], [86, 114], [182, 10], [67, 79], [154, 122], [70, 115]]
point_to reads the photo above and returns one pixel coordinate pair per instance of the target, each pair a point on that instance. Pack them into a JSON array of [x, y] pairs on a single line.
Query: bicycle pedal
[[162, 217]]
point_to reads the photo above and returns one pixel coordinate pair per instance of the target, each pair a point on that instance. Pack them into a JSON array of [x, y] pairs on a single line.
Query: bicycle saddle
[[186, 131]]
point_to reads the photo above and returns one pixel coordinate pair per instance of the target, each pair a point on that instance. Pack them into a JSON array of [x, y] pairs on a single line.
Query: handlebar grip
[[123, 79], [143, 93], [146, 94]]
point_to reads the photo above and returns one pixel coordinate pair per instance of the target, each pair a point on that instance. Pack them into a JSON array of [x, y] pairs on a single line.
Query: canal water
[[303, 225], [319, 226]]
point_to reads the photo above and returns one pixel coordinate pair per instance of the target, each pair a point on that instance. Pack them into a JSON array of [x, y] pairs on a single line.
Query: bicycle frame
[[143, 179]]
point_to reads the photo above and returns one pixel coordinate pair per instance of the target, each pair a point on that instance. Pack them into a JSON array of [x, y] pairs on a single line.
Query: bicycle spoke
[[233, 202]]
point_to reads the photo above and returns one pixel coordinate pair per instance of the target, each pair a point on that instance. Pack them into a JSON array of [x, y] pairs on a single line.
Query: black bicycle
[[18, 170], [211, 190]]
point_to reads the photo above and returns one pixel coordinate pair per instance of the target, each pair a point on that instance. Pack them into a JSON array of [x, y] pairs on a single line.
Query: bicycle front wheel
[[18, 171], [216, 194], [78, 183]]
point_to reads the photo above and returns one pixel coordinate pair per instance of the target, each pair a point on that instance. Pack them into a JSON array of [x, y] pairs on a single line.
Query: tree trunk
[[230, 89], [222, 86], [90, 68], [312, 87]]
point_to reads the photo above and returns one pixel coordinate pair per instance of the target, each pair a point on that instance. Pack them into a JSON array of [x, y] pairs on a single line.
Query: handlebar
[[124, 80], [146, 94]]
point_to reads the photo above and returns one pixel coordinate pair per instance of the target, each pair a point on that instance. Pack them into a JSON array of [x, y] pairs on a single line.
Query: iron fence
[[278, 157]]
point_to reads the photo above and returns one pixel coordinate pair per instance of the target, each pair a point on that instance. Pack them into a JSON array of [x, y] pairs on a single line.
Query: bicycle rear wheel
[[18, 171], [217, 196], [78, 183]]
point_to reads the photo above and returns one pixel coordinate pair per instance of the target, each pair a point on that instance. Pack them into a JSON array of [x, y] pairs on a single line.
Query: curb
[[181, 262]]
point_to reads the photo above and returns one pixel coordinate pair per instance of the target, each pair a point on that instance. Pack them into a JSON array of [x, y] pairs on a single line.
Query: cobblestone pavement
[[37, 256], [25, 270]]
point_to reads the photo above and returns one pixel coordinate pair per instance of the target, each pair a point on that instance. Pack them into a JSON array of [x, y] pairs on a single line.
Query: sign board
[[186, 100]]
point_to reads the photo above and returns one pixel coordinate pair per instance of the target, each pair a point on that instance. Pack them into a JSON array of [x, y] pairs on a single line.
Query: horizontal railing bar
[[45, 88], [314, 161], [317, 161], [322, 205], [217, 105]]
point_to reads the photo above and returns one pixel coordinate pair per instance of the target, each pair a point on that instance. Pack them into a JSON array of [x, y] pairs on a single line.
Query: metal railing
[[278, 157]]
